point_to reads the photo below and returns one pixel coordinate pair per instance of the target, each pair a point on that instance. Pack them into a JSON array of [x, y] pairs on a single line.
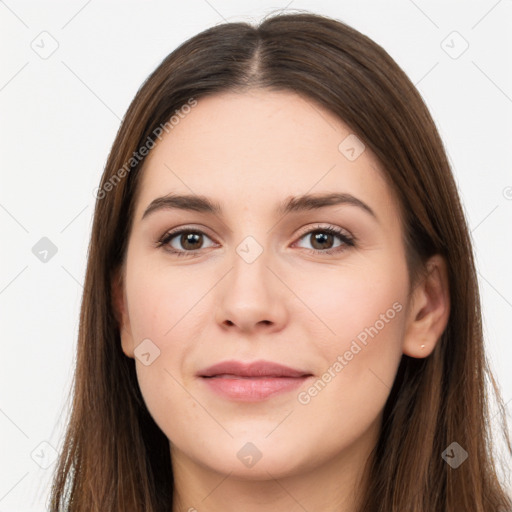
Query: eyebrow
[[304, 202]]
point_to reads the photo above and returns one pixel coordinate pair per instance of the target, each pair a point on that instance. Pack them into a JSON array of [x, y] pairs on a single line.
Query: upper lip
[[251, 369]]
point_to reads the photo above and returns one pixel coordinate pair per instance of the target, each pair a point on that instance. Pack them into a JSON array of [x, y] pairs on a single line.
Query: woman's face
[[261, 280]]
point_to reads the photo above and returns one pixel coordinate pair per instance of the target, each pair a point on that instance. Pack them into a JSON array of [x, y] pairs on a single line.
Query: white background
[[59, 117]]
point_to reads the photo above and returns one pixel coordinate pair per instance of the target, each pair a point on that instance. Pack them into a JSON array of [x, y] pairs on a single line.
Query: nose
[[251, 297]]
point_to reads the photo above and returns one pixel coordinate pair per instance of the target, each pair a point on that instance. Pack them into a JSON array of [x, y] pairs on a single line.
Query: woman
[[224, 365]]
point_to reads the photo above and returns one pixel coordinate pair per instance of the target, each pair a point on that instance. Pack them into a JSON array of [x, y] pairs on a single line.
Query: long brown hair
[[114, 456]]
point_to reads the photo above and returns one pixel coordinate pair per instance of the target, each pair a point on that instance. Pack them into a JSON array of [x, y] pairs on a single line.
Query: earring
[[422, 346]]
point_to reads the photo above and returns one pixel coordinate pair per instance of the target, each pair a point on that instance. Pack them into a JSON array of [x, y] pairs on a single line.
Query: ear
[[429, 310], [121, 312]]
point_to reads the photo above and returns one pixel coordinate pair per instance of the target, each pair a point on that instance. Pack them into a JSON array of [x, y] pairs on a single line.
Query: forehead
[[252, 149]]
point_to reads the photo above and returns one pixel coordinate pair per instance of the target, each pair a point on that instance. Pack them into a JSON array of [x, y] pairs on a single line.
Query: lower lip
[[252, 389]]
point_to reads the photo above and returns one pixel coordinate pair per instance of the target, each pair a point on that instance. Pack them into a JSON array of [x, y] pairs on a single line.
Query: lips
[[251, 382], [251, 370]]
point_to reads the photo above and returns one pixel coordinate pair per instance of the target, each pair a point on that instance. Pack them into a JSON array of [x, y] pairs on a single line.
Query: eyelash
[[348, 241]]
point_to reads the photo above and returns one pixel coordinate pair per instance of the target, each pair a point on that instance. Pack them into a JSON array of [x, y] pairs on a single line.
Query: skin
[[249, 152]]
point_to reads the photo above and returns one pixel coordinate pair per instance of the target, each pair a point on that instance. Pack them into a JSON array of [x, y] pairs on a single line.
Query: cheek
[[160, 300], [358, 303], [364, 317], [163, 304]]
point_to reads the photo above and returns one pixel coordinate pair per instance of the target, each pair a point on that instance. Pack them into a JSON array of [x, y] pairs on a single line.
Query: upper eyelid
[[319, 227], [178, 231]]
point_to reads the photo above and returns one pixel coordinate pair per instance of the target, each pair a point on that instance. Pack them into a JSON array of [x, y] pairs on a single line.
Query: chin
[[261, 459]]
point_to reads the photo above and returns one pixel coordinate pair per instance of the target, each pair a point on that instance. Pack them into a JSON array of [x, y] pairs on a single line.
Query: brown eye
[[190, 241], [184, 241], [323, 240]]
